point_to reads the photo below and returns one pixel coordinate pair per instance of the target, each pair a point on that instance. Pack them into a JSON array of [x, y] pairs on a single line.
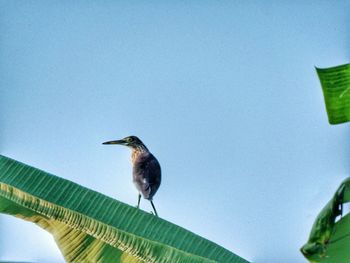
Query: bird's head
[[130, 141]]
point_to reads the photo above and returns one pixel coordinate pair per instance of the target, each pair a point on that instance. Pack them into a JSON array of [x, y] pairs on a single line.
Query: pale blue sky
[[223, 93]]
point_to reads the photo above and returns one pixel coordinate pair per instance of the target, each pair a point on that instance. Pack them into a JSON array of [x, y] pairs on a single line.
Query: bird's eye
[[129, 139]]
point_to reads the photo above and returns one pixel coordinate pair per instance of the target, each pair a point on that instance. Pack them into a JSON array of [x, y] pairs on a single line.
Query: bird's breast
[[134, 155]]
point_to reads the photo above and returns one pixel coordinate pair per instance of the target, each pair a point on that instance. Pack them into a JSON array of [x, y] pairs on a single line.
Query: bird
[[146, 171]]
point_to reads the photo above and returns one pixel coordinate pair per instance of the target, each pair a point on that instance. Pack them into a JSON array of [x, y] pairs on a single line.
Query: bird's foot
[[151, 212]]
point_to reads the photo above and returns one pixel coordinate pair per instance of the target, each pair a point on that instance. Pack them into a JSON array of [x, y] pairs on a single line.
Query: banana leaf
[[335, 82], [329, 240], [90, 227]]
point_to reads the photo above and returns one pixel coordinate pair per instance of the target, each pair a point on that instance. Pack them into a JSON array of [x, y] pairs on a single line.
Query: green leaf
[[335, 84], [329, 240], [89, 226]]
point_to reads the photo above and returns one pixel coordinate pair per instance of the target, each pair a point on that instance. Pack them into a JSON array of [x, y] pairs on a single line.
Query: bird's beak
[[122, 142]]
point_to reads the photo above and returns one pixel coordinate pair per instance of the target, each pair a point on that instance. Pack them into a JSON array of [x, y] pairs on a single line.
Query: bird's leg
[[138, 201], [154, 209]]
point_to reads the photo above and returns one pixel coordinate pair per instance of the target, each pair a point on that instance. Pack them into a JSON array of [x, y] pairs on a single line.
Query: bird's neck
[[137, 151]]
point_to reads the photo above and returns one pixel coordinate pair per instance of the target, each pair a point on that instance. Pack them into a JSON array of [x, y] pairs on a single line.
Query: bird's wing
[[151, 178]]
